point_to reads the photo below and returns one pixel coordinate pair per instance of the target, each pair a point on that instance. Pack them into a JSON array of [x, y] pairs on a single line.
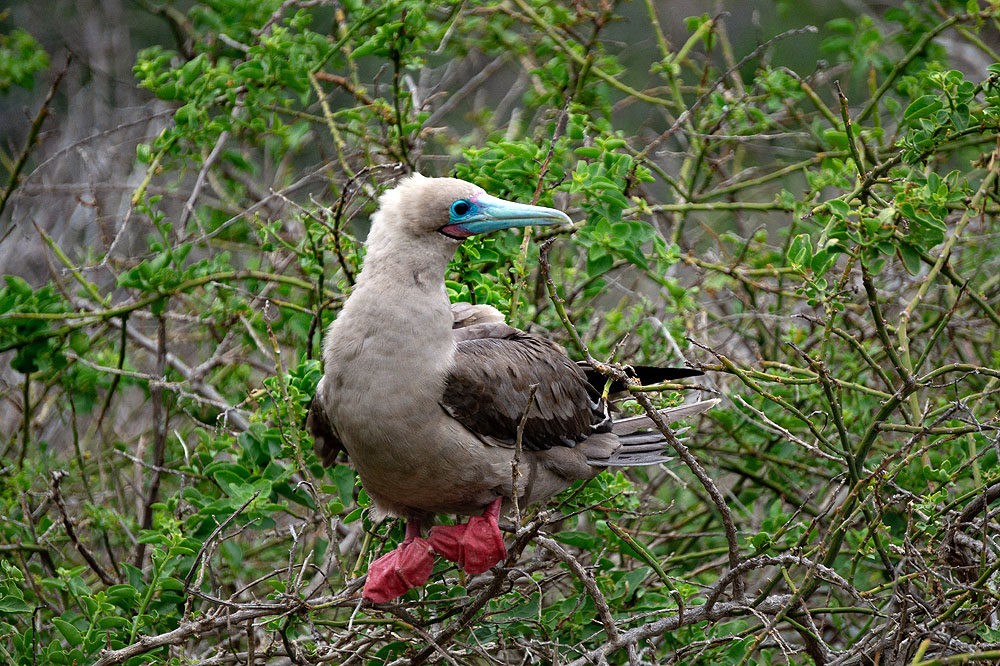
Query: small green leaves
[[380, 42], [21, 57], [836, 138], [922, 108], [598, 260], [800, 251], [761, 541], [910, 257], [11, 594], [719, 219], [839, 207], [25, 325], [69, 632]]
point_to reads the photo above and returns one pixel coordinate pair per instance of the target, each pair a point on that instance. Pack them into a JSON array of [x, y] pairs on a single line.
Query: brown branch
[[211, 539], [161, 418], [692, 615], [36, 127], [515, 463], [360, 95], [685, 454], [589, 584], [616, 371], [208, 623], [105, 577]]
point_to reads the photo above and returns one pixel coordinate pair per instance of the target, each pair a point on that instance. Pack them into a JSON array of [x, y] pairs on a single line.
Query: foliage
[[21, 57], [821, 244]]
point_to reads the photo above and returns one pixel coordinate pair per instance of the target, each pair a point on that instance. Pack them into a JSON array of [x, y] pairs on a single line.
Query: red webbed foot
[[476, 546], [403, 569]]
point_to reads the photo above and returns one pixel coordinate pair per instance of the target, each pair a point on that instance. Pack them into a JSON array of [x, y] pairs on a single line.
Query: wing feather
[[326, 441], [488, 386]]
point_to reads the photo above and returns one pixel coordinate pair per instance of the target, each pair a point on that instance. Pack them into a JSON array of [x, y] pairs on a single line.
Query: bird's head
[[451, 210]]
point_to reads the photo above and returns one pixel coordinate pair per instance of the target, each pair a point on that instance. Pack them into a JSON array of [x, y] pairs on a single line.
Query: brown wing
[[467, 315], [488, 386], [326, 442]]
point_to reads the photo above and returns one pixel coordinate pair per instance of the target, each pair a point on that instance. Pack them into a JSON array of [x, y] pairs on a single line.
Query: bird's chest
[[387, 357], [387, 371]]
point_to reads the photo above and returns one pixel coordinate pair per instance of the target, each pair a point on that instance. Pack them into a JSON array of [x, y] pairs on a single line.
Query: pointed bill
[[490, 213]]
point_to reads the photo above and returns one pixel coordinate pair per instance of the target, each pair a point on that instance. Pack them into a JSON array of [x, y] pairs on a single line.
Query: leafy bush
[[821, 244]]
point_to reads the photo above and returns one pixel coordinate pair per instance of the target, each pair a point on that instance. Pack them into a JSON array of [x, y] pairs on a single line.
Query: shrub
[[820, 244]]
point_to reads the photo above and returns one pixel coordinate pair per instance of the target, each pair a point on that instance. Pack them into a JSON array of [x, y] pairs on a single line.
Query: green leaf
[[598, 261], [167, 92], [581, 540], [251, 69], [69, 632], [839, 207], [122, 595], [632, 581], [910, 258], [800, 251], [112, 622], [836, 138], [18, 285], [922, 107], [345, 480], [186, 115], [13, 604], [822, 261]]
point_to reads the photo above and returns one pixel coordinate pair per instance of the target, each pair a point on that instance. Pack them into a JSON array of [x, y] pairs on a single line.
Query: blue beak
[[488, 213]]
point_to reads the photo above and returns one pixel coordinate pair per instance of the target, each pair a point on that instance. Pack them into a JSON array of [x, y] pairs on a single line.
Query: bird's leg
[[403, 569], [475, 546]]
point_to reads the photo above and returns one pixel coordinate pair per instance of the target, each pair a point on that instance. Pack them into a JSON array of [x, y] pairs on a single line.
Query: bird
[[425, 396]]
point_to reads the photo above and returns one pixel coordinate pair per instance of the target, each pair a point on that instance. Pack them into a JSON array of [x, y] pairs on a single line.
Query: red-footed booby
[[426, 397]]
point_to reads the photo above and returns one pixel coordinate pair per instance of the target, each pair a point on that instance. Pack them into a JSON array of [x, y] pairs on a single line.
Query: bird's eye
[[460, 208]]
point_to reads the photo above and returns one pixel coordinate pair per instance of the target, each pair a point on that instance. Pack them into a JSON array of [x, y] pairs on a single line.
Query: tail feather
[[640, 446], [670, 414], [630, 449], [638, 460], [639, 449], [647, 374], [641, 439]]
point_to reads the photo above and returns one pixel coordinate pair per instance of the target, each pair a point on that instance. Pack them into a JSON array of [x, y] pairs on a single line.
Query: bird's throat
[[456, 231]]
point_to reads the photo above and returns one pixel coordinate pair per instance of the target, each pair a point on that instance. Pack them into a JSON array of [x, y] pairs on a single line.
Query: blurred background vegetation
[[800, 199]]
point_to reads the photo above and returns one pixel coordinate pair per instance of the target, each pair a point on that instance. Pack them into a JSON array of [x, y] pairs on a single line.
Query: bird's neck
[[398, 314], [405, 264], [389, 350]]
